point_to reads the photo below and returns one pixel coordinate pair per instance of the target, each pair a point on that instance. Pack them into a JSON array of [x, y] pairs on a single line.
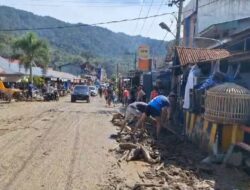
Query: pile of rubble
[[174, 164]]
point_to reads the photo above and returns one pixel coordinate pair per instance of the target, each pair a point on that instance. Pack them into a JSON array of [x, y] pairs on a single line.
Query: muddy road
[[66, 146], [55, 145]]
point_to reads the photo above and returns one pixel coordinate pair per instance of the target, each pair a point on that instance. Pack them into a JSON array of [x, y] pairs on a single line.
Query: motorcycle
[[51, 96]]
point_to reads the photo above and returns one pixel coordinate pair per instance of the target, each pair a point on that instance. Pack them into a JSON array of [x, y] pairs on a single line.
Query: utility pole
[[117, 70], [135, 61], [179, 4], [117, 76], [178, 31]]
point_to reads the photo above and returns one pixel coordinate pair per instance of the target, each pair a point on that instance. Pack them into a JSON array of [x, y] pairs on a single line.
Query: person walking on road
[[100, 91], [30, 91], [105, 91], [109, 95], [125, 97]]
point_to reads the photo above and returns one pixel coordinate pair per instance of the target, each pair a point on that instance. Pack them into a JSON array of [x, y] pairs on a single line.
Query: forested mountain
[[107, 46]]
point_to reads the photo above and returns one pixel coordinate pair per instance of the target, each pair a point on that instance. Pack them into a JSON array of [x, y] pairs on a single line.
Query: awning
[[198, 55]]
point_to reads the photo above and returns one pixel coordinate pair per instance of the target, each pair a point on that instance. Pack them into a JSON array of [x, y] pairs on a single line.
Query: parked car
[[93, 90], [80, 92]]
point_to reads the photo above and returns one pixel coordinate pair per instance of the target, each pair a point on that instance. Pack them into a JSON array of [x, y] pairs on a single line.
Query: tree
[[87, 55], [6, 41], [31, 50]]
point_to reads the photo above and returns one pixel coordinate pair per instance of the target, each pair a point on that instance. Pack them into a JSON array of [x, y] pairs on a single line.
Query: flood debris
[[172, 163]]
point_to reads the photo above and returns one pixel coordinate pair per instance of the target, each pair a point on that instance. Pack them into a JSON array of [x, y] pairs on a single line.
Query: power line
[[82, 25], [146, 16], [157, 12], [103, 5], [97, 24], [139, 16]]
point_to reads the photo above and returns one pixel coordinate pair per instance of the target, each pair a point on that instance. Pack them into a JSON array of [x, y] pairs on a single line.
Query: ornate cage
[[228, 103]]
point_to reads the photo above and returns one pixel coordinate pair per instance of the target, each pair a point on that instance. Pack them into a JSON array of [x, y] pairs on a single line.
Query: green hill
[[108, 46]]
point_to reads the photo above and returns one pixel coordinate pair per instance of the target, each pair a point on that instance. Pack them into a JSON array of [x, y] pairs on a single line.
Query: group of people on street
[[132, 95], [109, 93], [159, 109], [137, 94], [138, 110]]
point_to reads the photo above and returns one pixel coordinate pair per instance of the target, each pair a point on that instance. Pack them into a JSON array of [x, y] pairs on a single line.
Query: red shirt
[[126, 93]]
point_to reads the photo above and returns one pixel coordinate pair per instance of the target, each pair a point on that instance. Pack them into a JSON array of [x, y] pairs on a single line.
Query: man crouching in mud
[[133, 113], [160, 109]]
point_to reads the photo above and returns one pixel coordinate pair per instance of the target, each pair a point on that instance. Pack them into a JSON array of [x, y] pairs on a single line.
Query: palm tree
[[31, 50]]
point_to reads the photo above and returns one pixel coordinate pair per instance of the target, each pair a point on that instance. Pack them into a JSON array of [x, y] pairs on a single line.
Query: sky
[[95, 11]]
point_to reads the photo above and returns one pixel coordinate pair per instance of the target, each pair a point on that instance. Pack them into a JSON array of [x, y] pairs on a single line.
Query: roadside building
[[210, 24], [86, 71], [216, 37], [14, 72]]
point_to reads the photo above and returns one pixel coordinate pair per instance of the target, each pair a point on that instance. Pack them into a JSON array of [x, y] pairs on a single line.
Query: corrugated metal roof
[[9, 68], [6, 67], [197, 55]]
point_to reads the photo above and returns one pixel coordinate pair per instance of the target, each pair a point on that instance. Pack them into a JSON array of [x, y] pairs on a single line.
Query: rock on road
[[54, 145]]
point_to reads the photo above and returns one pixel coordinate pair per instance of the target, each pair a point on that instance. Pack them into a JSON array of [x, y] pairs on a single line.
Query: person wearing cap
[[160, 109]]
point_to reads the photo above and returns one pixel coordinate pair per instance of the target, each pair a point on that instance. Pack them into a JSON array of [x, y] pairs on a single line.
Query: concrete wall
[[189, 30], [189, 9], [213, 12]]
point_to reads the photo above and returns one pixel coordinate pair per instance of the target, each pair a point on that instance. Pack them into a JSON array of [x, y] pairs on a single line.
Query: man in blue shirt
[[30, 90], [159, 108]]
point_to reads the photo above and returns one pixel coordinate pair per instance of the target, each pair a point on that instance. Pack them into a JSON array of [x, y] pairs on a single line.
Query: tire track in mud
[[19, 136], [74, 154], [34, 150], [14, 177], [63, 140]]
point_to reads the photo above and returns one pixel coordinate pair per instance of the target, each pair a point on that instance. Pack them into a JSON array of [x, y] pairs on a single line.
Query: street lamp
[[164, 26]]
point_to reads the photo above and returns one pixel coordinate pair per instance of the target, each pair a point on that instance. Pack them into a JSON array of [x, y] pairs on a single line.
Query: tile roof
[[197, 55]]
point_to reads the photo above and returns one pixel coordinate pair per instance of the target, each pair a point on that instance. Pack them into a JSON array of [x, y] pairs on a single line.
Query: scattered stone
[[182, 186]]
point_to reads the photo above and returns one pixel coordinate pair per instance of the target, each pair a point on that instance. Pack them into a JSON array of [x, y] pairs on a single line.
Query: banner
[[144, 64], [143, 52]]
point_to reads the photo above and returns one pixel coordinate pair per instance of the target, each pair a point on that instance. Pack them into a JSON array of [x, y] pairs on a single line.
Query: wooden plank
[[187, 122], [234, 134], [192, 124], [226, 136], [213, 134], [205, 126]]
